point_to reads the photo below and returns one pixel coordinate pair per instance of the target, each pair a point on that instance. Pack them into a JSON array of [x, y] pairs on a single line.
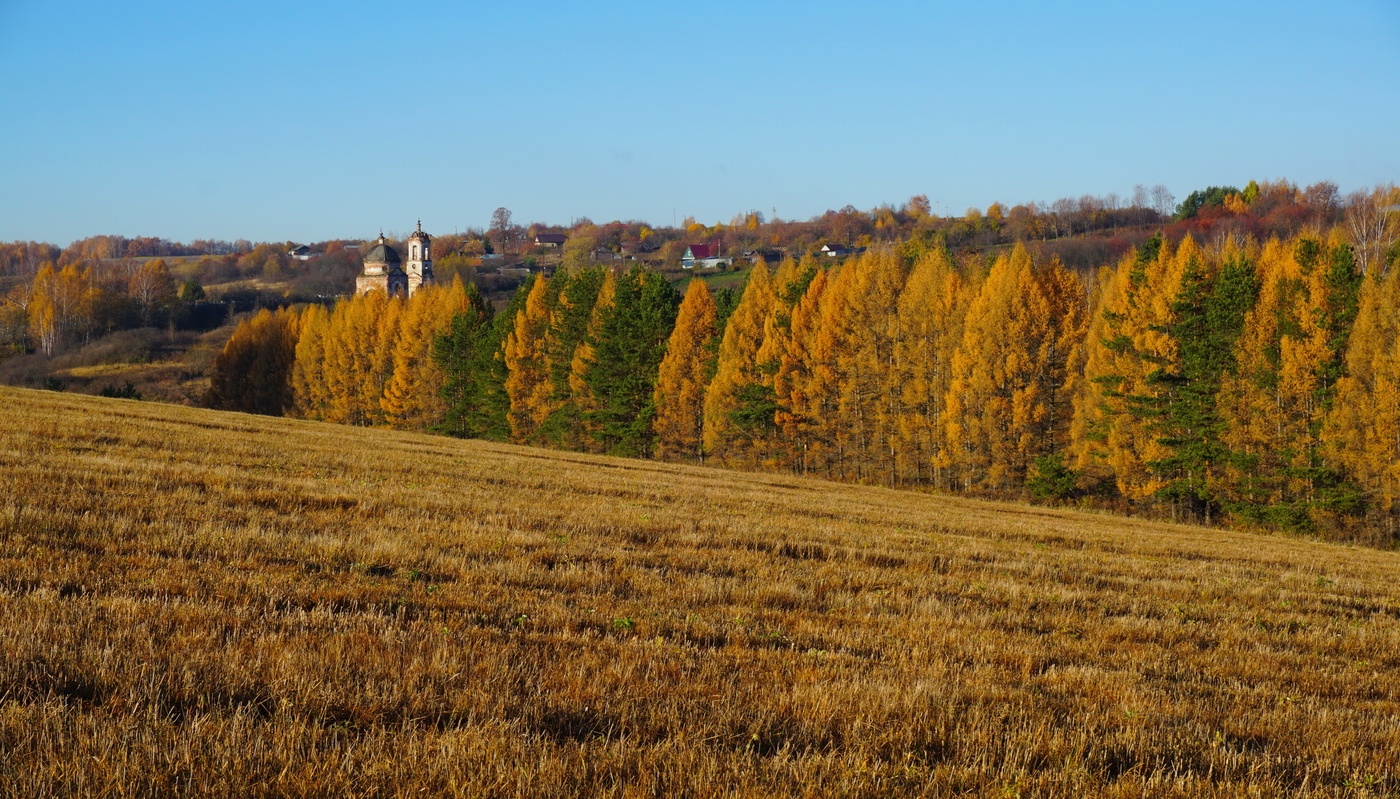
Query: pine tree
[[683, 374], [570, 425], [464, 353], [1290, 357], [1207, 317], [494, 396], [627, 353], [574, 299]]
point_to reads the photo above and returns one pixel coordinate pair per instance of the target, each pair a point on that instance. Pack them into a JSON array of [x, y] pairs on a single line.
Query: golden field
[[196, 603]]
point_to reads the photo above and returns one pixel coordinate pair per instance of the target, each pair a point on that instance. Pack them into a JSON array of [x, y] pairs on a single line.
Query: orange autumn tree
[[852, 355], [1126, 344], [1362, 431], [252, 373], [309, 391], [357, 360], [684, 371], [738, 401], [1290, 357], [802, 383], [931, 310], [528, 383], [59, 306], [413, 393], [1008, 403]]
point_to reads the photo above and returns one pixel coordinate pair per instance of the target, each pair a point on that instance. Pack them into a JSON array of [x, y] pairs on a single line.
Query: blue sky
[[315, 120]]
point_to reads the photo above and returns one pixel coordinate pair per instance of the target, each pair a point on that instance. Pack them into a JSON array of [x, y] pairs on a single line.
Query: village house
[[703, 256], [551, 240]]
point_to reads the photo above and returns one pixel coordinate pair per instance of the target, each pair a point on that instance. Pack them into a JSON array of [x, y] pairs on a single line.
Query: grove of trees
[[1243, 381]]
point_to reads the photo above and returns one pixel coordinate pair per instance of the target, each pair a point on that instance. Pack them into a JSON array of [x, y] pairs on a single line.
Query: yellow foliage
[[930, 324], [1363, 429], [1008, 401], [1125, 341], [528, 382], [737, 367], [680, 384]]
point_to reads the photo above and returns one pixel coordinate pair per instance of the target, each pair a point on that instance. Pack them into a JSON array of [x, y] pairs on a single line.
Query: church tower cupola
[[382, 270], [419, 265]]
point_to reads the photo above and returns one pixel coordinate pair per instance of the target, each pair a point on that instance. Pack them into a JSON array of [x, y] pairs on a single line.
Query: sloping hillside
[[201, 603]]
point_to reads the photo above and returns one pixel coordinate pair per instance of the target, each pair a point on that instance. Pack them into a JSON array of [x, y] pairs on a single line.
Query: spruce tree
[[1207, 316], [464, 353], [626, 358]]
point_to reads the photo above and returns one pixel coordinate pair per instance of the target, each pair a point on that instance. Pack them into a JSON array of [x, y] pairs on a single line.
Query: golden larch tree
[[734, 408], [683, 374], [583, 429], [1362, 431], [413, 394], [1126, 343], [799, 387], [528, 383], [310, 395], [930, 323], [1008, 401]]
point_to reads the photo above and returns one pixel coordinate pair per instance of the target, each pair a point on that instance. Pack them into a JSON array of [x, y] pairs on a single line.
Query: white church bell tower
[[419, 265]]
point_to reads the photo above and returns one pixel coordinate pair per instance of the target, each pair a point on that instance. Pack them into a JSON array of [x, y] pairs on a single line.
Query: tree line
[[1227, 382], [66, 306]]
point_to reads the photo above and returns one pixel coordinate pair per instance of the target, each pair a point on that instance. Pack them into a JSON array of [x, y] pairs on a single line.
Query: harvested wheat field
[[209, 604]]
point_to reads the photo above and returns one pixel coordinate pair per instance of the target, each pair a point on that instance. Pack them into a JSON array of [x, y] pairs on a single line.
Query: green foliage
[[756, 409], [626, 359], [1050, 480], [726, 300], [127, 391], [1343, 282], [793, 291], [191, 291], [1146, 254], [1207, 317], [466, 354], [1203, 198]]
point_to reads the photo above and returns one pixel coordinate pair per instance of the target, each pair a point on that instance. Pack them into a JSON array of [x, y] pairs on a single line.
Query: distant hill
[[204, 603]]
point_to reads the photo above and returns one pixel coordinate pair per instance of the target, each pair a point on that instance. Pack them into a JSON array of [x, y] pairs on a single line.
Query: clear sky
[[304, 121]]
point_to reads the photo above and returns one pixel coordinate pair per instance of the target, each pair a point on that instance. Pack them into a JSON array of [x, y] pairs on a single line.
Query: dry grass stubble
[[197, 603]]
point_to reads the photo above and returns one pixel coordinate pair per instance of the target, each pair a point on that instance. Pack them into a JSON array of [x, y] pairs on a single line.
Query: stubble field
[[207, 604]]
